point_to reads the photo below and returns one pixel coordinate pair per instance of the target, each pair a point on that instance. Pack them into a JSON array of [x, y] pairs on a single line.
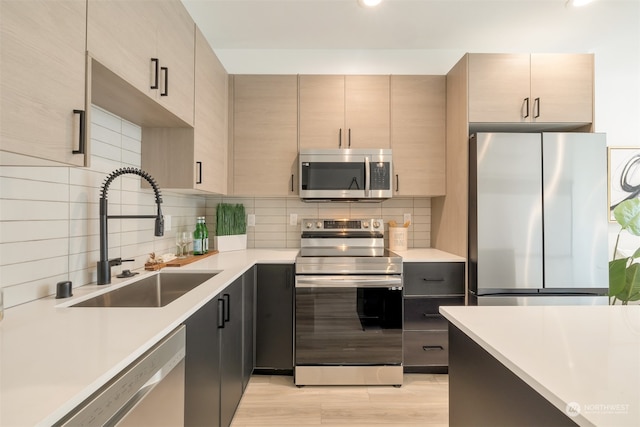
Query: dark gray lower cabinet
[[249, 307], [274, 318], [214, 360], [427, 287], [202, 367]]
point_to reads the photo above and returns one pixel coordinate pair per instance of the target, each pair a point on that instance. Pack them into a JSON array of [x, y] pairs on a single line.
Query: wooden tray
[[178, 262]]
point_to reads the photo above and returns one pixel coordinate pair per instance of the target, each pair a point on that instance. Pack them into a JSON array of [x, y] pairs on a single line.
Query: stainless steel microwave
[[345, 174]]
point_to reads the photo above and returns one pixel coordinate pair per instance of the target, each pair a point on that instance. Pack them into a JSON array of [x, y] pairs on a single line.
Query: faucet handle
[[127, 260], [118, 261]]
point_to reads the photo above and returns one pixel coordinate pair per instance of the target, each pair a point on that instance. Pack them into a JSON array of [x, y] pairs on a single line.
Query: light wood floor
[[423, 400]]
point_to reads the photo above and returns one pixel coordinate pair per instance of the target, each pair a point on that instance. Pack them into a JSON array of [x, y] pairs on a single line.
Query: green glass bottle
[[205, 236], [198, 234]]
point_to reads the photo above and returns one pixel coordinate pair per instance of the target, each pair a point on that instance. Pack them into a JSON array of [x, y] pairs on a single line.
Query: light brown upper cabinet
[[418, 109], [194, 159], [531, 88], [150, 45], [43, 80], [344, 111], [265, 147]]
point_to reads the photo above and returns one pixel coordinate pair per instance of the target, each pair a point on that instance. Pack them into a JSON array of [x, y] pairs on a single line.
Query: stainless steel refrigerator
[[538, 219]]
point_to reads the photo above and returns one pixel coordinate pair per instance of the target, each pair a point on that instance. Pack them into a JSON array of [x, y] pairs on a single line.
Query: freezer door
[[506, 238], [575, 214]]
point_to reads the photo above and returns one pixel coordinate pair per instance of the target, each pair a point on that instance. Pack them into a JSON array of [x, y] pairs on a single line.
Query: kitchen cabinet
[[43, 71], [231, 359], [248, 328], [194, 159], [344, 111], [150, 45], [264, 135], [418, 117], [213, 361], [202, 367], [274, 318], [531, 88], [427, 286]]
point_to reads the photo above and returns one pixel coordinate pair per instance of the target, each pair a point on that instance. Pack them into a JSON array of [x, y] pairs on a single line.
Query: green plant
[[230, 219], [624, 273]]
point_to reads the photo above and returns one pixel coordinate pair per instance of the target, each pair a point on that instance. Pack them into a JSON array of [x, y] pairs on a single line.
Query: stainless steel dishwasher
[[149, 392]]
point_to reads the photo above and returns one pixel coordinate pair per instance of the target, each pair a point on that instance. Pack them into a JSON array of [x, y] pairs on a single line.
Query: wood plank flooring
[[423, 400]]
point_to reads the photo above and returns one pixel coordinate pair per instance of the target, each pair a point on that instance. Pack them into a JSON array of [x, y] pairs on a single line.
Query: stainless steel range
[[348, 305]]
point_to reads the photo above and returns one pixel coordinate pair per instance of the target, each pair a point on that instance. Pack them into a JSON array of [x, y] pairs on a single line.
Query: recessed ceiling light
[[369, 3], [578, 3]]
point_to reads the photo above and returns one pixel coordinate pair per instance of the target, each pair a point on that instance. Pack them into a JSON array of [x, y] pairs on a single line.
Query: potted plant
[[624, 273], [231, 227]]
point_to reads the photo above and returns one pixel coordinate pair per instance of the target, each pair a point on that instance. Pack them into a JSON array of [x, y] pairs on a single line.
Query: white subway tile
[[29, 271], [106, 151], [30, 210], [17, 252], [131, 130], [29, 291], [24, 189], [47, 174], [105, 119]]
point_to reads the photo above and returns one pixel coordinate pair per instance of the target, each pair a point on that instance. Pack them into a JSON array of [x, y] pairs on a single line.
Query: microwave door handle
[[367, 177]]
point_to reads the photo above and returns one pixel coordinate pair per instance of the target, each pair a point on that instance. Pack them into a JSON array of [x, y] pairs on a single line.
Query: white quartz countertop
[[584, 356], [428, 255], [52, 356]]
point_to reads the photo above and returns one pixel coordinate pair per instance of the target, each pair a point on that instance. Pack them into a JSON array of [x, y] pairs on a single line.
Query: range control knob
[[365, 224], [376, 224], [319, 224], [309, 225]]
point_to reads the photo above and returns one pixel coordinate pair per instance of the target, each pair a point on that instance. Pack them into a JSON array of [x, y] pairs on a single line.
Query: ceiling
[[395, 24], [407, 36]]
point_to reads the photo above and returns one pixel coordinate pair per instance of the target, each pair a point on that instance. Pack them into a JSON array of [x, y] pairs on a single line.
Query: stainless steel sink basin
[[152, 291]]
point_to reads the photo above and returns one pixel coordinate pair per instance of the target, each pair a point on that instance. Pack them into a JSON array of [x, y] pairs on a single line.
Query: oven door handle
[[348, 282], [367, 177]]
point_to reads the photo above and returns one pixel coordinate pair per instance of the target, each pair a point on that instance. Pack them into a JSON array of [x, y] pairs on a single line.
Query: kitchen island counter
[[583, 360]]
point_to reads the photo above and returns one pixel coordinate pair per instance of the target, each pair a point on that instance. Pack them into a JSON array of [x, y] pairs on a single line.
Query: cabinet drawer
[[426, 348], [434, 278], [423, 313]]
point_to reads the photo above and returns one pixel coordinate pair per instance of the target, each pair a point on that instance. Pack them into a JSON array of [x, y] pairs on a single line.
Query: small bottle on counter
[[205, 236], [198, 234]]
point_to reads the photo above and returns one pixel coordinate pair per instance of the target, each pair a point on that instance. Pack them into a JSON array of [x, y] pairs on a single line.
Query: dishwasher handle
[[111, 403], [349, 281]]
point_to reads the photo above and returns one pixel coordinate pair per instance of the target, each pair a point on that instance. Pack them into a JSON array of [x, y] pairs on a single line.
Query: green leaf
[[617, 276], [627, 214], [632, 288]]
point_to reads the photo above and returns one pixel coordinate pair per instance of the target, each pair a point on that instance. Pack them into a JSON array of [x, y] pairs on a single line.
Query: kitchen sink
[[152, 291]]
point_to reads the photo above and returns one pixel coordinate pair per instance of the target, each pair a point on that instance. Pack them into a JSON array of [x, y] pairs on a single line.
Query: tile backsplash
[[49, 216]]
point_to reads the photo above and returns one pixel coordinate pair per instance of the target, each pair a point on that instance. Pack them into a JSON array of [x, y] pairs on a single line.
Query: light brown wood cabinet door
[[562, 88], [265, 149], [43, 78], [121, 35], [211, 120], [125, 36], [175, 47], [499, 88], [322, 111], [536, 88], [367, 118], [418, 121]]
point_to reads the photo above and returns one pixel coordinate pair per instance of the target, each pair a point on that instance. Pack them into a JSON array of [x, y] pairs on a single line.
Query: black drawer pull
[[431, 315], [426, 279], [432, 347]]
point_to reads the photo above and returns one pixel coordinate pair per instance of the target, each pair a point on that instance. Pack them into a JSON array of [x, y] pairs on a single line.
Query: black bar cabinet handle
[[340, 138], [536, 107], [199, 165], [432, 347], [526, 108], [227, 312], [397, 182], [220, 313], [349, 137], [292, 183], [156, 73], [82, 139], [426, 279], [166, 81]]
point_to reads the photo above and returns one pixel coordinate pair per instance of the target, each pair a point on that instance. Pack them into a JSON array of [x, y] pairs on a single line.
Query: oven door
[[348, 320]]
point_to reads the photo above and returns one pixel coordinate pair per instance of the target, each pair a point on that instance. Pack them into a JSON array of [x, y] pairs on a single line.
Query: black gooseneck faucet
[[105, 264]]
